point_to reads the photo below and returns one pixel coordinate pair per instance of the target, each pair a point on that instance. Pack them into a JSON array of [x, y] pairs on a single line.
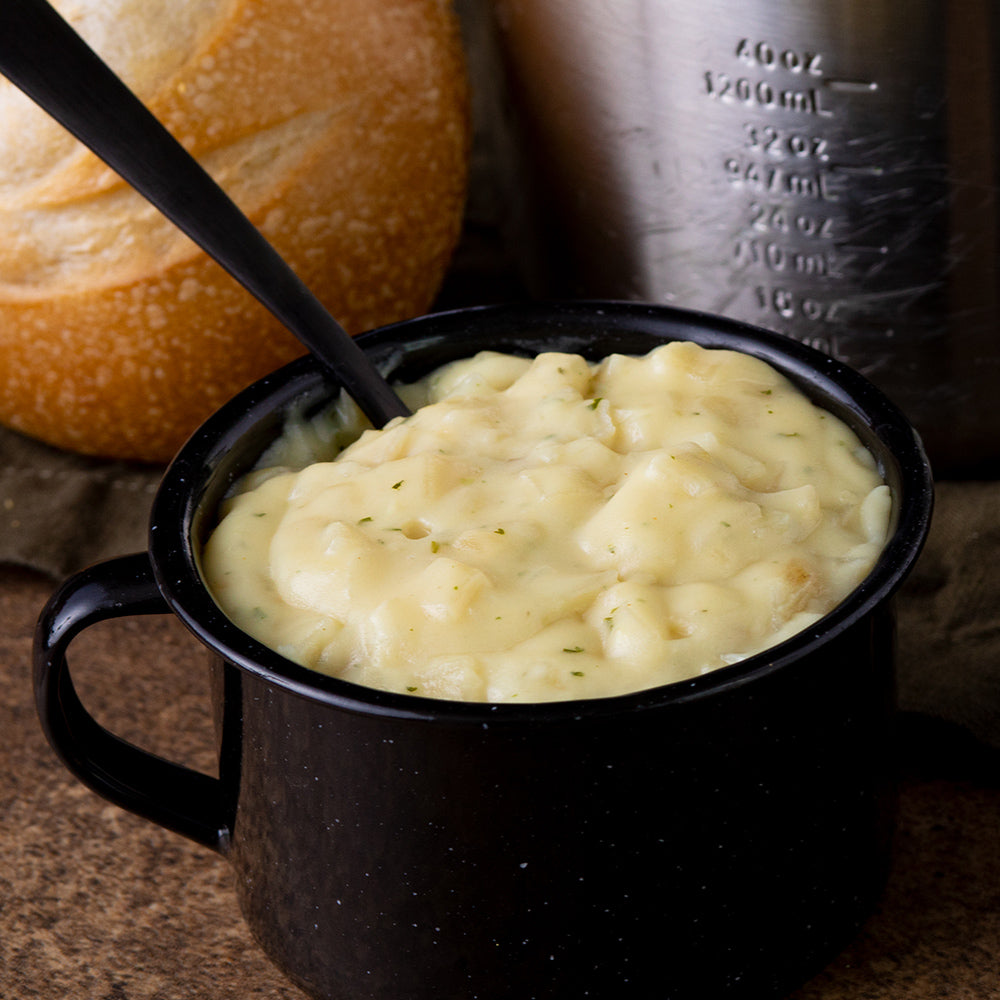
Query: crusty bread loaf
[[338, 126]]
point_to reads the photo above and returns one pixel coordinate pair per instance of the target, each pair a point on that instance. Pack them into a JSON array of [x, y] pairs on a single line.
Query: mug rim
[[180, 499]]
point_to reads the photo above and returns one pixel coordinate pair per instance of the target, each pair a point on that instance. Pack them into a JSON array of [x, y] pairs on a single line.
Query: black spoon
[[43, 56]]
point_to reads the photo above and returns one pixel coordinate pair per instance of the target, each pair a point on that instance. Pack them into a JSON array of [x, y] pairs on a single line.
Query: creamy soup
[[553, 528]]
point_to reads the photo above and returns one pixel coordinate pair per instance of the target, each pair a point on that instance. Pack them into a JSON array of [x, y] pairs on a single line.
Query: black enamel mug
[[717, 837]]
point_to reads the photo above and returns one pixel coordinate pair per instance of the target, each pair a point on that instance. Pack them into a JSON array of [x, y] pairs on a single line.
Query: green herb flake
[[572, 649], [411, 688], [577, 673], [261, 513], [364, 520], [435, 546], [396, 486], [595, 403], [499, 531]]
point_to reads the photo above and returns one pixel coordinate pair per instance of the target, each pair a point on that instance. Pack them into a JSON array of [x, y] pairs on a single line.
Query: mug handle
[[172, 795]]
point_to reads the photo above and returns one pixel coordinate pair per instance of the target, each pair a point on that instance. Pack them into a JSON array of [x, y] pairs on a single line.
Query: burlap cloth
[[60, 512]]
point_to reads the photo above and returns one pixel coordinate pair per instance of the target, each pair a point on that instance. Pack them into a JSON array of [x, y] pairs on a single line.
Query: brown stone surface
[[95, 903]]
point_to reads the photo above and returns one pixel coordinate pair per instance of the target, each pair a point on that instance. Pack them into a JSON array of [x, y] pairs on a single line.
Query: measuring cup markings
[[797, 184]]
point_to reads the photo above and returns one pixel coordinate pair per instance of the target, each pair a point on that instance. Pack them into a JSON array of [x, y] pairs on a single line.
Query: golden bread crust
[[339, 126]]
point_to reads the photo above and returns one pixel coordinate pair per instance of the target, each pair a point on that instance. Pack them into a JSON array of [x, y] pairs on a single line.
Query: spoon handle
[[43, 56]]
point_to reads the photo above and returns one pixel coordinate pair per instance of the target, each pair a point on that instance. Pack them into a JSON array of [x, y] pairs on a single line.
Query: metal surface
[[826, 170]]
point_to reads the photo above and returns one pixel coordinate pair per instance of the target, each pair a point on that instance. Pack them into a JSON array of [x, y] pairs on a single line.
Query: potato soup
[[552, 528]]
